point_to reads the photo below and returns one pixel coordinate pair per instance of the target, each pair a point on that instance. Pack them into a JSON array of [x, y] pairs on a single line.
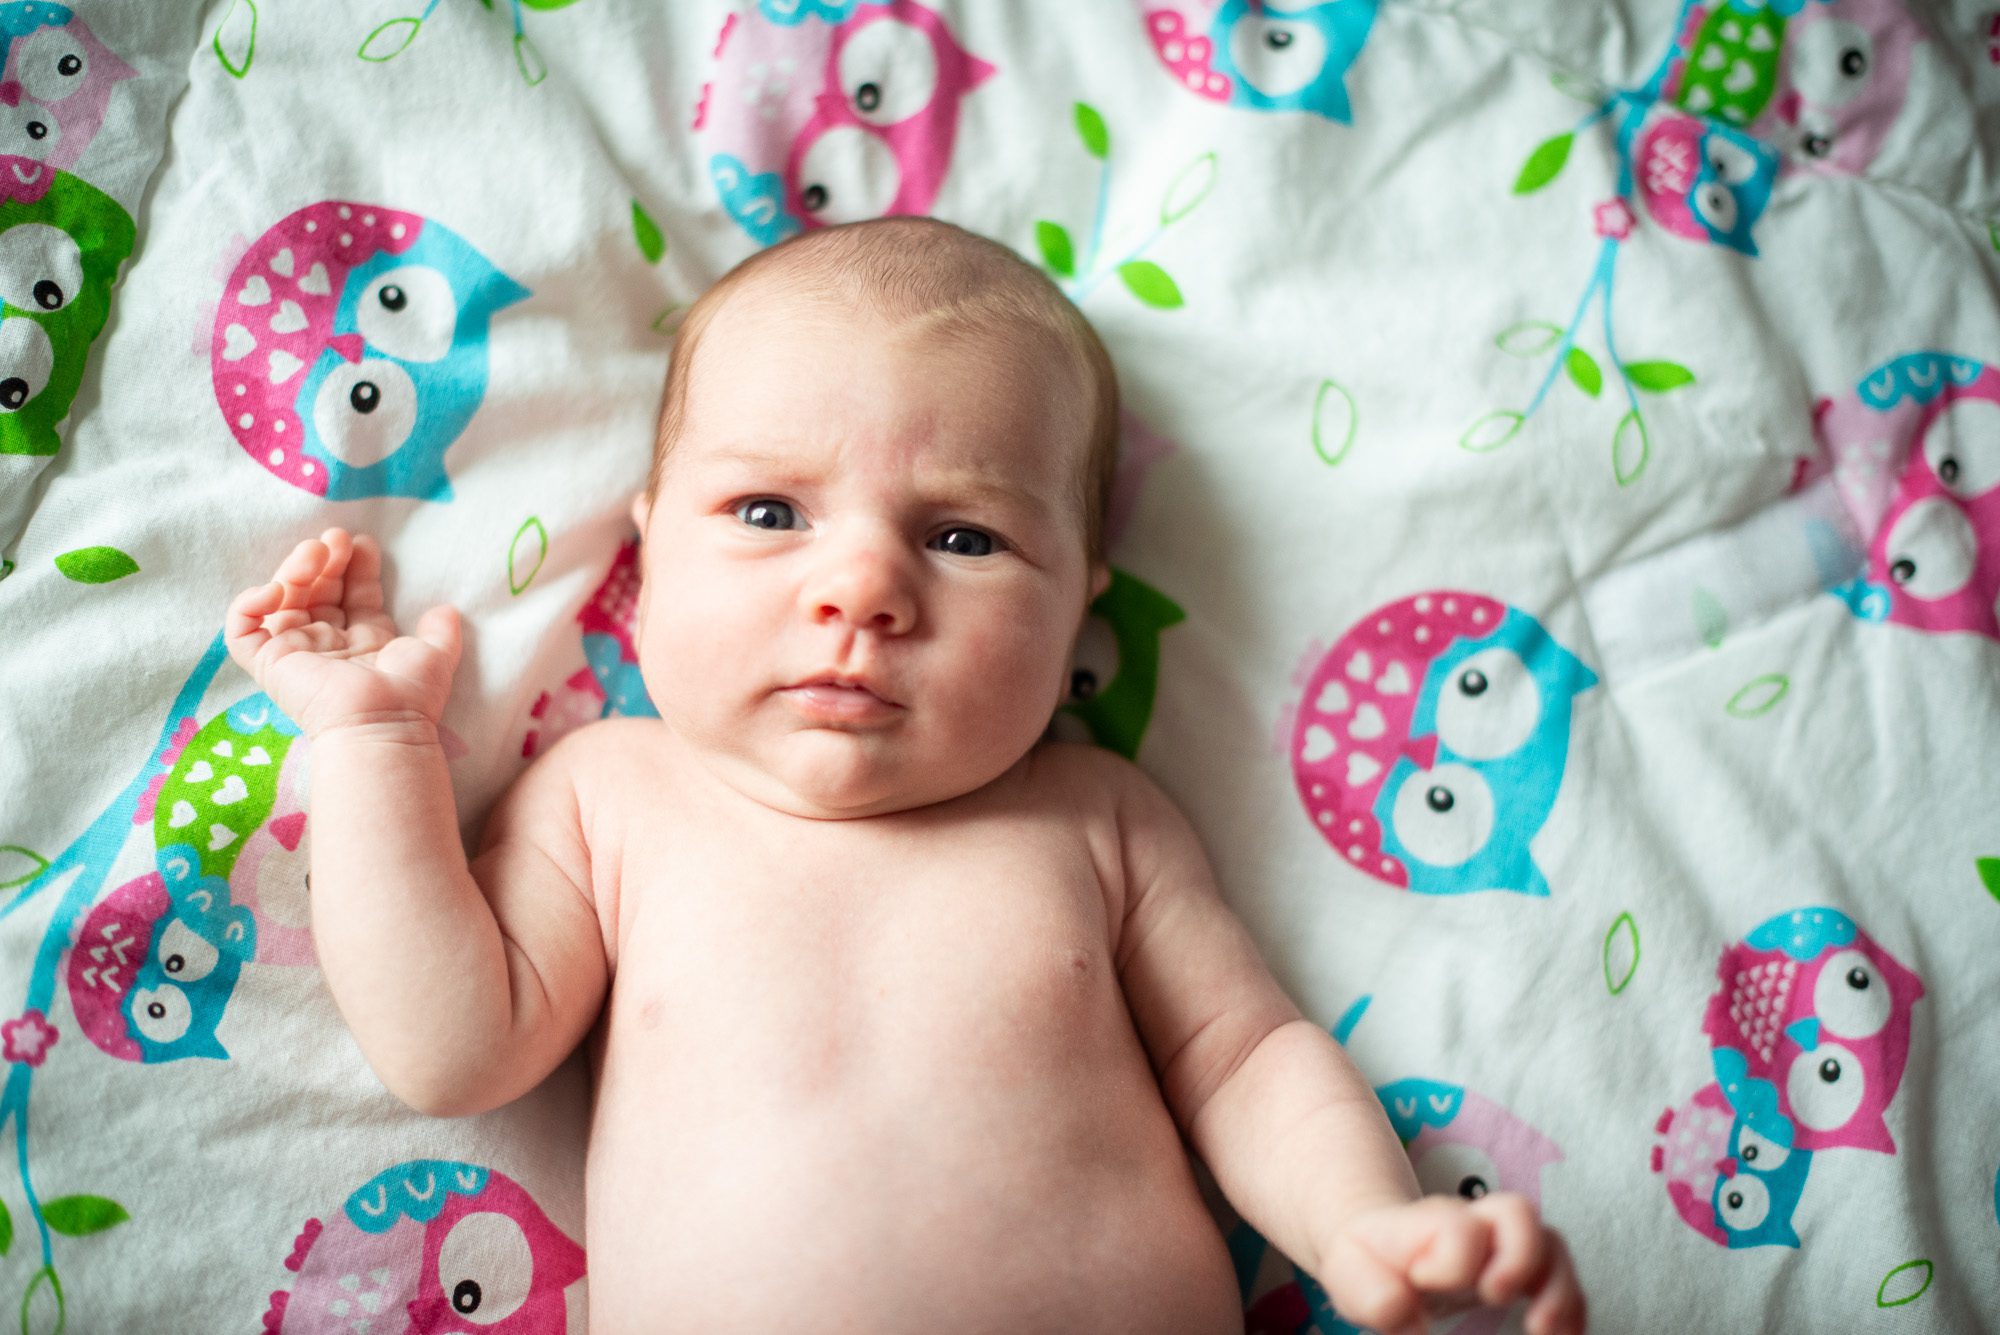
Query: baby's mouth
[[839, 699]]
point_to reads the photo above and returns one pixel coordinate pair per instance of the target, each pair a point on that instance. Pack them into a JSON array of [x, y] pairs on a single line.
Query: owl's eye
[[1489, 706], [1731, 163], [183, 954], [1963, 447], [1816, 144], [408, 313], [1768, 1155], [1094, 666], [282, 882], [1716, 205], [1829, 61], [1849, 998], [52, 63], [1742, 1202], [1931, 549], [161, 1013], [775, 516], [27, 359], [1456, 1169], [28, 130], [1825, 1087], [1444, 816], [1275, 57], [485, 1267], [849, 175], [364, 411], [888, 71], [41, 268]]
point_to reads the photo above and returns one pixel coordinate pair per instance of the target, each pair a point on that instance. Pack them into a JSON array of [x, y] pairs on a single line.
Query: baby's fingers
[[243, 628], [1451, 1262], [1370, 1292], [313, 576], [1520, 1248], [1558, 1308]]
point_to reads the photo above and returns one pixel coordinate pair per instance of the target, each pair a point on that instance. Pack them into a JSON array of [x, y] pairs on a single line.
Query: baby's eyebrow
[[941, 489]]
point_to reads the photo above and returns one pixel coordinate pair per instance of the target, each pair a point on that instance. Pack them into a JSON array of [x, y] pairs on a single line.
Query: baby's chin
[[825, 774]]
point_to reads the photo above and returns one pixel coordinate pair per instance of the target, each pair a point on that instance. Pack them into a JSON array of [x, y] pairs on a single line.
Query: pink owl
[[105, 959], [1691, 1152], [609, 684], [1812, 1021], [1916, 457], [55, 85], [1430, 742], [1845, 75], [270, 874], [349, 349], [431, 1246], [826, 113]]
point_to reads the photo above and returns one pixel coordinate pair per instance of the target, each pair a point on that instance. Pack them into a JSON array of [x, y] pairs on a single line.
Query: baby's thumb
[[439, 629]]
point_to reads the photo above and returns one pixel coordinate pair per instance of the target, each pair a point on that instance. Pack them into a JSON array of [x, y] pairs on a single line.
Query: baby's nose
[[863, 587]]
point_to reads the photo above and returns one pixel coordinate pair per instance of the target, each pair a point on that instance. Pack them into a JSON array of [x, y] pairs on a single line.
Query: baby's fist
[[1390, 1267]]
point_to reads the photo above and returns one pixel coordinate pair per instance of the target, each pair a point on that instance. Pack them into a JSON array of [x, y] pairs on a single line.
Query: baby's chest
[[840, 952]]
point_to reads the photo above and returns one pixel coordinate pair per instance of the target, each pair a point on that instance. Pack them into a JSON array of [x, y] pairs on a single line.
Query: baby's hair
[[949, 280]]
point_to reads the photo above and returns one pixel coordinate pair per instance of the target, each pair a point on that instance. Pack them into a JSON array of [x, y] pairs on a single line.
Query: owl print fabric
[[1556, 564]]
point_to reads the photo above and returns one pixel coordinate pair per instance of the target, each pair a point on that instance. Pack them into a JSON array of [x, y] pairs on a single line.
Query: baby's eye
[[964, 542], [772, 515]]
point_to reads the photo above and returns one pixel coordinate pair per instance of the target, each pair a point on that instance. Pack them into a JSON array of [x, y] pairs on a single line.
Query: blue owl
[[1733, 1176], [1698, 179], [156, 962], [349, 349], [1432, 740], [1258, 54]]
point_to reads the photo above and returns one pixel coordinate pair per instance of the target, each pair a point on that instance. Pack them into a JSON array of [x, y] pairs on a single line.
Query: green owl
[[1732, 64], [1115, 700], [61, 242]]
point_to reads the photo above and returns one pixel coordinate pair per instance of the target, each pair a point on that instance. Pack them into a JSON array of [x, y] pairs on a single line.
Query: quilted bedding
[[1557, 549]]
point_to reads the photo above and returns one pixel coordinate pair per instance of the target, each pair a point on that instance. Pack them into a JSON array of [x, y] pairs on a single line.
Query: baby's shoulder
[[602, 760], [1087, 779]]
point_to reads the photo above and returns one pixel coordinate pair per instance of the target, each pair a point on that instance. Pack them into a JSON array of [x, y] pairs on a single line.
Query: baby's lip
[[846, 681]]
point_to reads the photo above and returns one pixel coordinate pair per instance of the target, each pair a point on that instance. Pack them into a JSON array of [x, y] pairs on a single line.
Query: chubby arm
[[463, 983], [1291, 1131]]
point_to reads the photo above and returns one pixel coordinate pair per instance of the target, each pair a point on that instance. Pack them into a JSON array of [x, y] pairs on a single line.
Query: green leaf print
[[6, 1229], [1530, 338], [1188, 189], [1334, 420], [1543, 165], [1582, 368], [1492, 431], [96, 565], [1989, 875], [1150, 284], [235, 40], [18, 866], [1053, 241], [652, 242], [1090, 126], [81, 1216], [1658, 377], [389, 40], [1631, 448]]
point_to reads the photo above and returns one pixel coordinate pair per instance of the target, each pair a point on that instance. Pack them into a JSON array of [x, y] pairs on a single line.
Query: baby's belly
[[804, 1161]]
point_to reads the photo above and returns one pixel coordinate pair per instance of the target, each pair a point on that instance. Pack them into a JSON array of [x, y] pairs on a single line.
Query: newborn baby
[[904, 1019]]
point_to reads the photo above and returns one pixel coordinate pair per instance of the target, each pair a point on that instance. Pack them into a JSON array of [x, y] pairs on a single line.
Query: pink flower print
[[27, 1039], [1614, 218], [169, 753]]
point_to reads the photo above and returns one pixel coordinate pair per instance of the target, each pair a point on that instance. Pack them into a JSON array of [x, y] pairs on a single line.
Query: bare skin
[[898, 1020]]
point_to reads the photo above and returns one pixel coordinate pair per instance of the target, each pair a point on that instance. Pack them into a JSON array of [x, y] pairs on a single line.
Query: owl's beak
[[1422, 751], [349, 346], [1726, 1167], [10, 93]]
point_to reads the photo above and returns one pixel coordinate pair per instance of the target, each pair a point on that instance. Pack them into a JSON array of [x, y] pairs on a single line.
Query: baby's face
[[888, 513]]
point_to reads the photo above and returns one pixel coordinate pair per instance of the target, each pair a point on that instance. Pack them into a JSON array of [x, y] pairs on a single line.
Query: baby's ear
[[642, 505], [1100, 580]]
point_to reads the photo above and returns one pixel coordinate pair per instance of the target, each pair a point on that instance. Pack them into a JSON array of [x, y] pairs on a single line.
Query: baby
[[901, 1018]]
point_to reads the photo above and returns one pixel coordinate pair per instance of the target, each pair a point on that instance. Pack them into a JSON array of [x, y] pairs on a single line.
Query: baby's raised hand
[[1391, 1266], [319, 643]]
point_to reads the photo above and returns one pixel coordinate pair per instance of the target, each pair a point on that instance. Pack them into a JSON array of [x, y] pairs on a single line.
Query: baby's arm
[[1293, 1134], [463, 983]]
